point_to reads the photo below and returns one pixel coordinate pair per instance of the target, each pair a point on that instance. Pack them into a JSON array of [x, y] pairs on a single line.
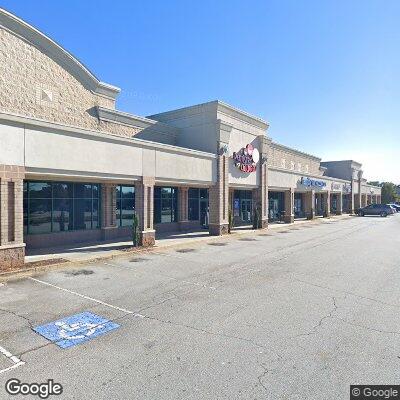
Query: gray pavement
[[299, 313]]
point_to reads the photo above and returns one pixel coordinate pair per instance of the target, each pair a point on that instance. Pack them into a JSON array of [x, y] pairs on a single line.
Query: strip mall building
[[74, 169]]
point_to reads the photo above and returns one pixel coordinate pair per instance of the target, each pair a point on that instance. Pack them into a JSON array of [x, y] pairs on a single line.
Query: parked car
[[395, 206], [376, 209]]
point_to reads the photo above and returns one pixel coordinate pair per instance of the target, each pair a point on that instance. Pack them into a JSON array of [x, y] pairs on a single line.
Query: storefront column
[[183, 200], [289, 206], [144, 207], [358, 199], [219, 193], [363, 200], [260, 195], [12, 247], [108, 207], [309, 204], [339, 202], [327, 204]]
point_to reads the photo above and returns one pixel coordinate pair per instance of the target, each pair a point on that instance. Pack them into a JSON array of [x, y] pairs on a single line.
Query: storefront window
[[298, 206], [60, 206], [125, 205], [197, 204], [275, 206], [165, 205], [193, 204]]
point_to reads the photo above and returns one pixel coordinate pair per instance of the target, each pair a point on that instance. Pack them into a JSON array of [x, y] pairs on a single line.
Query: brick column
[[108, 210], [289, 206], [379, 199], [260, 195], [327, 203], [219, 199], [309, 204], [12, 247], [183, 202], [144, 206], [219, 192]]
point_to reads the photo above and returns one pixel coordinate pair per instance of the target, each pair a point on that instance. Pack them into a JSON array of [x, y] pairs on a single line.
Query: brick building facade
[[73, 168]]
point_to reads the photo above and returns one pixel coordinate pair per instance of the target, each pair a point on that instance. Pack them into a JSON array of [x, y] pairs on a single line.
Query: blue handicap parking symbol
[[76, 329]]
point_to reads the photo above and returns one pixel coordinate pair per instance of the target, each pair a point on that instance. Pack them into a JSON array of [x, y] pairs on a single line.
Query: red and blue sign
[[246, 158]]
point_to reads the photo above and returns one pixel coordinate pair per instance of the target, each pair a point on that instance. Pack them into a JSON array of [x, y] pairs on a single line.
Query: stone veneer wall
[[276, 155], [26, 74]]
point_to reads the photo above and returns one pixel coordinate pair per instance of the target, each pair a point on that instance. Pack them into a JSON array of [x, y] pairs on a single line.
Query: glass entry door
[[275, 206], [298, 206], [319, 209], [204, 213], [245, 210]]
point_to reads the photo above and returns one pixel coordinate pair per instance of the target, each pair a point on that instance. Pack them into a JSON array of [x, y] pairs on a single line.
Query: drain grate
[[79, 272], [185, 250], [217, 244], [248, 239], [265, 234], [283, 231]]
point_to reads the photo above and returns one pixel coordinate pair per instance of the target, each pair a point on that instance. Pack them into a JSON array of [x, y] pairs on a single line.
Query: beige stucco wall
[[280, 179], [73, 154]]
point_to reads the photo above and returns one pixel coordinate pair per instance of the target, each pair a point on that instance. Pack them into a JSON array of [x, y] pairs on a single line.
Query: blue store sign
[[312, 182]]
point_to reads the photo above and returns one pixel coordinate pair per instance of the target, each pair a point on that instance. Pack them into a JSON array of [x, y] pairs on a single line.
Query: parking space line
[[14, 359], [124, 310]]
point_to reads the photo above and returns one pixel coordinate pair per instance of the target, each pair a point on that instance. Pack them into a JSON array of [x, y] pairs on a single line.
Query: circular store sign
[[246, 158]]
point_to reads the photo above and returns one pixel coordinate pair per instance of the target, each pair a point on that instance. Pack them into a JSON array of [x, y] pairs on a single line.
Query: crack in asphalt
[[314, 329], [346, 293]]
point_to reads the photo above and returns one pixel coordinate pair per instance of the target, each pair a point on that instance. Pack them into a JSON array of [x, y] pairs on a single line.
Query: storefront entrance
[[334, 203], [299, 206], [319, 205], [204, 213], [346, 202], [276, 206], [242, 207]]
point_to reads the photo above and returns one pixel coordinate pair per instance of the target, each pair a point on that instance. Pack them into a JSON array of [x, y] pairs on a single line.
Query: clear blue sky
[[324, 74]]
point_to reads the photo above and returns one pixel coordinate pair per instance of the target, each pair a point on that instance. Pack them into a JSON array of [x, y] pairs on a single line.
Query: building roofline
[[219, 106], [120, 117], [295, 151], [57, 53], [343, 161]]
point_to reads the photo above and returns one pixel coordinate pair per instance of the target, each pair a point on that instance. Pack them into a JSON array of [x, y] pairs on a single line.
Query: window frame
[[27, 198]]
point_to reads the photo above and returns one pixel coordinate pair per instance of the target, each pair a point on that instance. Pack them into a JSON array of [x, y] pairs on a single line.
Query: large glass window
[[193, 204], [125, 205], [165, 204], [196, 197], [60, 206]]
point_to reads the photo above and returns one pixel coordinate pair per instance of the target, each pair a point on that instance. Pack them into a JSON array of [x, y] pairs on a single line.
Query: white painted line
[[124, 310], [17, 362]]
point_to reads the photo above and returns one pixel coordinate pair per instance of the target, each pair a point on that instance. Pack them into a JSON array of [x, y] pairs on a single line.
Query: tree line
[[390, 191]]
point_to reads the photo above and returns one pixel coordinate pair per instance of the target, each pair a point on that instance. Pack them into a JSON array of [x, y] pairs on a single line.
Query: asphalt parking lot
[[298, 313]]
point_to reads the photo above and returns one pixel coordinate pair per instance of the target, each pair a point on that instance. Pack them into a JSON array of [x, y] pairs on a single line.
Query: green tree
[[389, 192]]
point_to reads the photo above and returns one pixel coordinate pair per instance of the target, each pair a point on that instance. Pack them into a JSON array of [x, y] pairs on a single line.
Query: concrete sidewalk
[[37, 259]]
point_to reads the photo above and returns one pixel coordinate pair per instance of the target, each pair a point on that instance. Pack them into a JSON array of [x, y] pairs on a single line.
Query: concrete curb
[[51, 264]]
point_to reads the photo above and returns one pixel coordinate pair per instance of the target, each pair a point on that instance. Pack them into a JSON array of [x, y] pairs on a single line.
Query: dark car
[[395, 206], [376, 209]]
